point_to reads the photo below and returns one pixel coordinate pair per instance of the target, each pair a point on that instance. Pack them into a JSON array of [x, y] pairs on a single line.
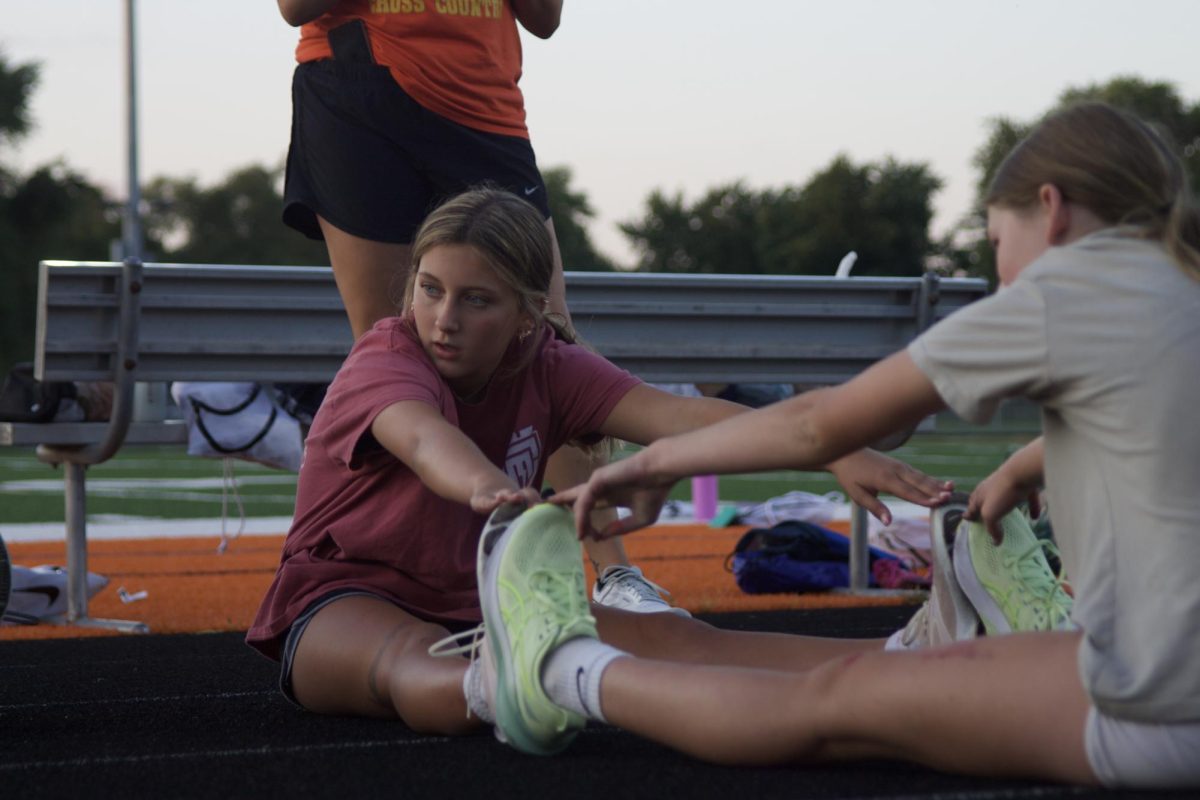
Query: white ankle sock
[[478, 693], [572, 673]]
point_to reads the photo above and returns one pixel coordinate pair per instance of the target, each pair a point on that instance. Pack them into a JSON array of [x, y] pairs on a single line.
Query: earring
[[523, 335]]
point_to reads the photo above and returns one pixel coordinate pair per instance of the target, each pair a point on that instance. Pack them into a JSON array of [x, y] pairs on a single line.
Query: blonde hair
[[512, 238], [1113, 164]]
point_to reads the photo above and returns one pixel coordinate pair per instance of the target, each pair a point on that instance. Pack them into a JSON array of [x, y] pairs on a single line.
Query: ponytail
[[1181, 234]]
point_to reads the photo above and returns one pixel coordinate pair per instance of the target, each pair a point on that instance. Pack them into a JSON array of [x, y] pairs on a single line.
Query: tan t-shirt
[[1105, 335]]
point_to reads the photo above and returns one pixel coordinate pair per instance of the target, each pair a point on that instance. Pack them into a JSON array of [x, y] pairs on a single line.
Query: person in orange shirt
[[396, 106]]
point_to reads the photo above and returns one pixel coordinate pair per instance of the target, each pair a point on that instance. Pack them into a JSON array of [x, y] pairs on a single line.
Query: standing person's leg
[[1010, 705], [362, 655], [370, 275], [353, 181]]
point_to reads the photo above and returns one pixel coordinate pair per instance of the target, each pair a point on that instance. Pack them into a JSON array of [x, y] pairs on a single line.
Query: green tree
[[16, 87], [52, 213], [718, 233], [571, 212], [1158, 102], [880, 210], [236, 221]]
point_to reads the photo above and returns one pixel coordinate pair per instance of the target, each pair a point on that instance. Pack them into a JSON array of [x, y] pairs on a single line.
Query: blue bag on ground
[[794, 556]]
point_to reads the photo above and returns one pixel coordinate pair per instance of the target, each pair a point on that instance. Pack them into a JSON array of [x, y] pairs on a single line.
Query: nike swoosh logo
[[530, 190], [579, 691], [51, 592]]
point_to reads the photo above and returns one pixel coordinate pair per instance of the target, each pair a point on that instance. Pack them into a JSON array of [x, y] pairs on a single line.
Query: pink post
[[704, 497]]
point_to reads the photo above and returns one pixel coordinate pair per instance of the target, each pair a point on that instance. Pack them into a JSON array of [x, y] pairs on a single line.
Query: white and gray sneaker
[[948, 615], [626, 588]]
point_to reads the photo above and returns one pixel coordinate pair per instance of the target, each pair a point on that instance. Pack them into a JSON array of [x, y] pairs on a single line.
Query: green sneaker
[[1011, 584], [531, 589]]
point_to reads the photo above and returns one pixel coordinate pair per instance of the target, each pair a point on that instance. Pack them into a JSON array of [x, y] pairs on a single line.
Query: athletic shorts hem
[[363, 150], [1128, 754], [287, 654]]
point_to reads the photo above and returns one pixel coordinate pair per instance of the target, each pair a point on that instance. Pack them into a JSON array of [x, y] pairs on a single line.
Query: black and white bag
[[239, 420]]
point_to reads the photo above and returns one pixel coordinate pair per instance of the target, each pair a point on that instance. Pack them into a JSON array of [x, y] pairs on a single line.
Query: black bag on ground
[[794, 556], [23, 398]]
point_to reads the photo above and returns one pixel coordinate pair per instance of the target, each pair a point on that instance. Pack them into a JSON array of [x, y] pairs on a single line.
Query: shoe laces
[[1036, 590], [457, 644], [555, 596], [467, 643], [554, 606]]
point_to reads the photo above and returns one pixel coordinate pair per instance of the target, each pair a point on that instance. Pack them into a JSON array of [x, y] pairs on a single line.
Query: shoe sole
[[990, 613], [945, 523], [497, 534]]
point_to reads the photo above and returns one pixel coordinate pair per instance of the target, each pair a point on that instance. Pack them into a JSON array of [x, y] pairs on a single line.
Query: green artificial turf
[[165, 483]]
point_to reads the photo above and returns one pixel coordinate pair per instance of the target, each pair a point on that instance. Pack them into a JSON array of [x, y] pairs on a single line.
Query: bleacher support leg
[[860, 570], [77, 567], [860, 562], [77, 558]]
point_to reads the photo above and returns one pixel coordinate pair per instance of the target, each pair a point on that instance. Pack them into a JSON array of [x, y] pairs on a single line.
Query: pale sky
[[633, 95]]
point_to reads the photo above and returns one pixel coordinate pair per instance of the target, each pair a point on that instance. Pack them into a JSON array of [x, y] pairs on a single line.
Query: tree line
[[881, 210]]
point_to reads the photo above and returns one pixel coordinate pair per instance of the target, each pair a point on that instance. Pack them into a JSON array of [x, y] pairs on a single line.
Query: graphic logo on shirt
[[524, 455]]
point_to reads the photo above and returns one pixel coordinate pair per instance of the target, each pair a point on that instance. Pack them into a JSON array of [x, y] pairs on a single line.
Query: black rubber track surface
[[199, 716]]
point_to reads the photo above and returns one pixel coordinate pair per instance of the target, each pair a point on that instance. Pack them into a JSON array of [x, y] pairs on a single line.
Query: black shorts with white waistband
[[373, 162]]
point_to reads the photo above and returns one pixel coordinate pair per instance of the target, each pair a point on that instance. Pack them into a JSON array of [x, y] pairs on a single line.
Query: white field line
[[111, 526], [123, 484], [107, 528]]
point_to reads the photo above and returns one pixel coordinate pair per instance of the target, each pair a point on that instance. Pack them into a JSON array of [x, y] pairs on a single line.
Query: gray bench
[[136, 322]]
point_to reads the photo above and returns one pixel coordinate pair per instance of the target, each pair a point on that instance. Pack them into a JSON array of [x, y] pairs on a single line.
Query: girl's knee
[[425, 691]]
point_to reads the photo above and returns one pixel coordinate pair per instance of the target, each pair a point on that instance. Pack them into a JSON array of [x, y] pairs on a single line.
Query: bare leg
[[558, 282], [366, 657], [672, 638], [370, 275], [1004, 706]]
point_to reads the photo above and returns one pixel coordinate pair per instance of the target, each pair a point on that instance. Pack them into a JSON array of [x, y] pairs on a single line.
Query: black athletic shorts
[[369, 159]]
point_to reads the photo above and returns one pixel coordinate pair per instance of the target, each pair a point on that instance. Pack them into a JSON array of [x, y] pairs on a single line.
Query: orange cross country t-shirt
[[458, 58]]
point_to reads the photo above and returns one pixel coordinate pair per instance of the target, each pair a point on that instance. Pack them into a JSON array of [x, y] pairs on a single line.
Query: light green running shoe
[[1011, 584], [531, 589]]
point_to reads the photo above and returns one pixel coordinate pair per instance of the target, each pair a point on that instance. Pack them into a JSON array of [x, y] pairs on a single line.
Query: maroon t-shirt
[[365, 521]]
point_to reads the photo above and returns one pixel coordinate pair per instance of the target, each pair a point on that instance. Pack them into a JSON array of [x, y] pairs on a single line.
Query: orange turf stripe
[[193, 589]]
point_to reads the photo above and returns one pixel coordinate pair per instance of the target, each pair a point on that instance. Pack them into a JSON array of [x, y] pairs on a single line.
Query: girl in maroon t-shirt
[[436, 419]]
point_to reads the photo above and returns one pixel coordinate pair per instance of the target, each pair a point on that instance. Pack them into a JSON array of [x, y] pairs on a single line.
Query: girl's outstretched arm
[[814, 430], [646, 414], [445, 460]]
